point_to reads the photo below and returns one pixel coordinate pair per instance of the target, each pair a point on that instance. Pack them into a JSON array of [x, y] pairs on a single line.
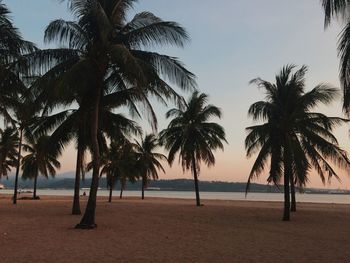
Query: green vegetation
[[39, 160], [148, 162], [293, 139], [192, 136]]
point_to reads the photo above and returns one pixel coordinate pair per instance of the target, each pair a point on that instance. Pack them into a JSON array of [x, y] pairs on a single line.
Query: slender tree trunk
[[194, 169], [76, 199], [111, 190], [292, 192], [35, 183], [88, 220], [143, 188], [121, 192], [18, 166], [287, 175]]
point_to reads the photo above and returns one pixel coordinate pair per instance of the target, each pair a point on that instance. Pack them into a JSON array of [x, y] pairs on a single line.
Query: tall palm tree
[[340, 9], [103, 45], [148, 162], [192, 135], [8, 150], [39, 160], [293, 138]]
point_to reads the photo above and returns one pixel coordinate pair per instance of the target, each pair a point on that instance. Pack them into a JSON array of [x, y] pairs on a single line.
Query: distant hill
[[163, 185]]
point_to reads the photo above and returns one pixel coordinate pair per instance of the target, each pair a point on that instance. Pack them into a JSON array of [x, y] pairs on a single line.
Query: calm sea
[[309, 198]]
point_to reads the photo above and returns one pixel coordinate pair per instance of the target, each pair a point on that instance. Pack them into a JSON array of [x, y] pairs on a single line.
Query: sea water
[[236, 196]]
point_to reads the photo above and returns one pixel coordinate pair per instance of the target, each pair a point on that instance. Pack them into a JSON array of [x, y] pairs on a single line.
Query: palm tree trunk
[[143, 188], [35, 183], [194, 169], [287, 175], [76, 202], [121, 192], [292, 192], [88, 220], [111, 190], [18, 166]]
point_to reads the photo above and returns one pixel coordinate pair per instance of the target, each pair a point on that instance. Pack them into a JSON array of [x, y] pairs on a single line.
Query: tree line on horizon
[[103, 64]]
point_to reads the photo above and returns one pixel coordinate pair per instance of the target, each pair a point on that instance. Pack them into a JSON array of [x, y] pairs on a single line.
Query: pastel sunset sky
[[232, 42]]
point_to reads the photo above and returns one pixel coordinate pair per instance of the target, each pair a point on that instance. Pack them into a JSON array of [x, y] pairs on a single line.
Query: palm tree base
[[285, 218], [76, 213], [86, 226]]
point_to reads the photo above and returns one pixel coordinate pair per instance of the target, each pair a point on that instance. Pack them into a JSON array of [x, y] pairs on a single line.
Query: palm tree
[[340, 9], [12, 49], [23, 119], [293, 139], [119, 163], [39, 160], [103, 45], [192, 135], [123, 179], [148, 162], [8, 150], [12, 70], [74, 125]]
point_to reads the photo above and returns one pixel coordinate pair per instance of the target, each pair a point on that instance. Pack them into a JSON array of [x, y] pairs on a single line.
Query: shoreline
[[219, 196], [165, 200]]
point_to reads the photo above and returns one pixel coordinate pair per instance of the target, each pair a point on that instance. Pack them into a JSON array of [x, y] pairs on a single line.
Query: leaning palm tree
[[293, 139], [103, 45], [8, 150], [340, 9], [192, 135], [39, 160], [148, 162]]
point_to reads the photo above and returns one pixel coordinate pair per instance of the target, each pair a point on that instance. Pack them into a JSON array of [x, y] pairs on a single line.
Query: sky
[[231, 43]]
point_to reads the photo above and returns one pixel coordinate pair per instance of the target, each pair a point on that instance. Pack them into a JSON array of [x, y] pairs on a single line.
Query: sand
[[166, 230]]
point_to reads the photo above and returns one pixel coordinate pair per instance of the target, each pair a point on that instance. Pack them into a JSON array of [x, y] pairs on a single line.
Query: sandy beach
[[167, 230]]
